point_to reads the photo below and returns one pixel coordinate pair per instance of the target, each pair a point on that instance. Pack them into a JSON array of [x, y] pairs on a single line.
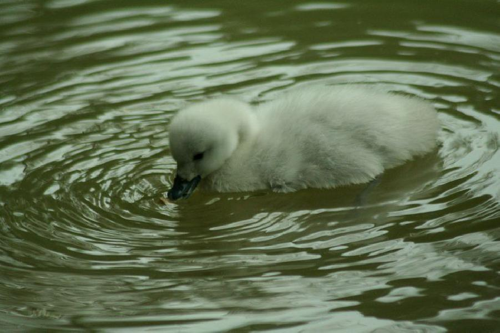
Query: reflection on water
[[87, 90]]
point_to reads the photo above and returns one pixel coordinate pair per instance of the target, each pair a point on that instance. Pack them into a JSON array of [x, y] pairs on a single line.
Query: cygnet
[[319, 137]]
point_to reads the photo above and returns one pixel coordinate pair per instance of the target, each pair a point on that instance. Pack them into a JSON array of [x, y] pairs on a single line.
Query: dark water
[[87, 90]]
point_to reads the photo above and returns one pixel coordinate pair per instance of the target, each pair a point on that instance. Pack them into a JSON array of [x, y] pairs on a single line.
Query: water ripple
[[88, 89]]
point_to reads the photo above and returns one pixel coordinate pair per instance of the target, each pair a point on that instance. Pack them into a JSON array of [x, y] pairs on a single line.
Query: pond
[[87, 91]]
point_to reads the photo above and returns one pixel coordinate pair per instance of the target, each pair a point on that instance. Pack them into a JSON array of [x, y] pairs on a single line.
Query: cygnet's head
[[202, 138]]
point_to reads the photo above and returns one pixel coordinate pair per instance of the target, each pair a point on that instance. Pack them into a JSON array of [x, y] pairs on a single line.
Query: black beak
[[182, 188]]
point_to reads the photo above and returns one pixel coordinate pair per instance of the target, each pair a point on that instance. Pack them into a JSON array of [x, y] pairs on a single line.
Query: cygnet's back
[[328, 137], [317, 137]]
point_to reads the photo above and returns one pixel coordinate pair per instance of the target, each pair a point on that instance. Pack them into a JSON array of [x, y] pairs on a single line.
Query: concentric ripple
[[87, 90]]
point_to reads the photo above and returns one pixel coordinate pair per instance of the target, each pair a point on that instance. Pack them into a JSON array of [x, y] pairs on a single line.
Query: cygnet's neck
[[248, 126], [242, 126], [240, 116]]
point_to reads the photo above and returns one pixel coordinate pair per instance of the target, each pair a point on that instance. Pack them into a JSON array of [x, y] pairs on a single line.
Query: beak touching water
[[183, 188]]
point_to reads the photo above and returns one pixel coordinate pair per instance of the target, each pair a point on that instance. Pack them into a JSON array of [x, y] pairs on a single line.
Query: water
[[87, 90]]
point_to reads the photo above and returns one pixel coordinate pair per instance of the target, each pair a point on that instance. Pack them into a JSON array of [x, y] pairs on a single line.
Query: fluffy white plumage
[[320, 137]]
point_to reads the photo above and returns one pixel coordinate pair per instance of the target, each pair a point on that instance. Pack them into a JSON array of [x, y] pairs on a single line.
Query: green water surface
[[87, 91]]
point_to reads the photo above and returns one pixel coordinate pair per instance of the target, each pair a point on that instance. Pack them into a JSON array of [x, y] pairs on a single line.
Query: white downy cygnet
[[320, 137]]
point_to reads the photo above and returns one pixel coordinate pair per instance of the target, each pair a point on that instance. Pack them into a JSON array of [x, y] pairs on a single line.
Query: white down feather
[[320, 137]]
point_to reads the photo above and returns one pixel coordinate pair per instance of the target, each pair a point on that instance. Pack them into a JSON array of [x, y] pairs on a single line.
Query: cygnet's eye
[[198, 157]]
